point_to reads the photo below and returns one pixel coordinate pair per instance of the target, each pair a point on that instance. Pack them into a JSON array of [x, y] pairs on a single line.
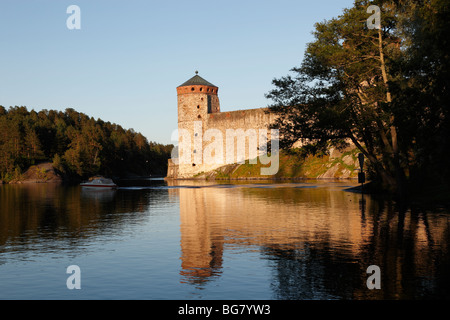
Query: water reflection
[[51, 218], [319, 242], [291, 241]]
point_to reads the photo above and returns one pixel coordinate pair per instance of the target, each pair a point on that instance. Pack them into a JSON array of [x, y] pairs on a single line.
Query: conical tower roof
[[197, 81]]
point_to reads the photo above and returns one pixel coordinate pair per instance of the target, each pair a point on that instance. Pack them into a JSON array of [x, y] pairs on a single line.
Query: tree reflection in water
[[309, 241], [318, 241], [36, 217]]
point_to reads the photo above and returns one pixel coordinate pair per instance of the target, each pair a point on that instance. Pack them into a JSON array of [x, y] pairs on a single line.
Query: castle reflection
[[320, 240], [312, 241]]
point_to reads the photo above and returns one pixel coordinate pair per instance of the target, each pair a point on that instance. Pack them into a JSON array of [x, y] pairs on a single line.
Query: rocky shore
[[40, 173]]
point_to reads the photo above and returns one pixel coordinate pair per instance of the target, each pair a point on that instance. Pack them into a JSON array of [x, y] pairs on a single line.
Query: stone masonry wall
[[228, 129]]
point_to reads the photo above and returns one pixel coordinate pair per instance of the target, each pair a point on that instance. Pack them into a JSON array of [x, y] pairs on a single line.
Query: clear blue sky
[[126, 61]]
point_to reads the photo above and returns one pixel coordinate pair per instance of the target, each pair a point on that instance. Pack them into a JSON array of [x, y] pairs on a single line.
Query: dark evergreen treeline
[[78, 145]]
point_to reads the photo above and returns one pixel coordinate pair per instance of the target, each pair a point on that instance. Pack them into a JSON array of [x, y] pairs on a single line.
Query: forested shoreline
[[78, 146]]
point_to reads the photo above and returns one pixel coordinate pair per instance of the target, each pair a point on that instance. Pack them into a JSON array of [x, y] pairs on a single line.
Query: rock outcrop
[[40, 173]]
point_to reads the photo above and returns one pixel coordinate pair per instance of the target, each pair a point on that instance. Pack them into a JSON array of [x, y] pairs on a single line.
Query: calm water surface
[[199, 240]]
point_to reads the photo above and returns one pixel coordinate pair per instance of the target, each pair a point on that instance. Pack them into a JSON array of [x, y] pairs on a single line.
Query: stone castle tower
[[196, 98], [198, 111]]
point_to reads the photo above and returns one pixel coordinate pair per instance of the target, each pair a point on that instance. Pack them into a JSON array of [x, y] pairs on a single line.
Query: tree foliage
[[385, 90], [78, 145]]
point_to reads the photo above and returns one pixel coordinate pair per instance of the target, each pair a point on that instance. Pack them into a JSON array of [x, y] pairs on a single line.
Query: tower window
[[193, 164], [201, 89], [198, 107], [192, 89], [199, 116]]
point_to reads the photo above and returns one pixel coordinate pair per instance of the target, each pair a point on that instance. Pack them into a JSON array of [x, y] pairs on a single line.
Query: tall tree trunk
[[399, 172]]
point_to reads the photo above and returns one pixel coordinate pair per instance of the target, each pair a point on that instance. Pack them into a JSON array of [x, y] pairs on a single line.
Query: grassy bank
[[295, 165]]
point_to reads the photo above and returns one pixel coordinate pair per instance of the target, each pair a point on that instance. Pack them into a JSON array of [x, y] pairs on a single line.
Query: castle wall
[[209, 139], [234, 132], [251, 118]]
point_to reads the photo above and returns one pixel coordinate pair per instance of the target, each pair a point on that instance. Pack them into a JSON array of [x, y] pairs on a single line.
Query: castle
[[209, 138]]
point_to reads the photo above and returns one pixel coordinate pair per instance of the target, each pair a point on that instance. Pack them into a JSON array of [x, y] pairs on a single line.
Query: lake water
[[207, 240]]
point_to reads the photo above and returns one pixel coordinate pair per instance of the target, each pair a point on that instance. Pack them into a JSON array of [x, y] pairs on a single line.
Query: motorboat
[[99, 183]]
